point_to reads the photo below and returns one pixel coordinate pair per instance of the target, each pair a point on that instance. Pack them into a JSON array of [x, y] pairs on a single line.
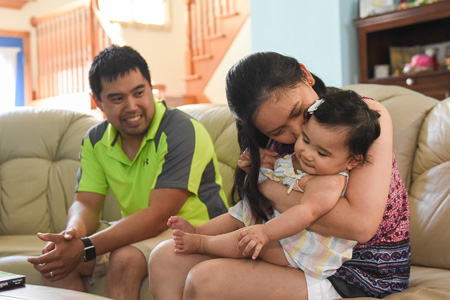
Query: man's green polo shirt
[[177, 152]]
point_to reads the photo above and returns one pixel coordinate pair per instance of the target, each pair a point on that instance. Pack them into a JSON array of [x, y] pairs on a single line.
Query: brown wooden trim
[[15, 4], [60, 11], [202, 57]]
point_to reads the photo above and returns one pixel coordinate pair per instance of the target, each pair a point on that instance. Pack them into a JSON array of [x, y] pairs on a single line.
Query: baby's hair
[[346, 109]]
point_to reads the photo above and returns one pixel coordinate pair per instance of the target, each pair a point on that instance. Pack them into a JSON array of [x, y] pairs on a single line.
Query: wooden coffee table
[[37, 292]]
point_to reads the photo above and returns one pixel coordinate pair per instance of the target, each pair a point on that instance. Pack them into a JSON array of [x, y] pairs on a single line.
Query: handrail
[[67, 40], [211, 27]]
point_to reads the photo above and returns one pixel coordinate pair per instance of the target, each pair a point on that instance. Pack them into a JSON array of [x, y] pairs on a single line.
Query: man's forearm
[[82, 219]]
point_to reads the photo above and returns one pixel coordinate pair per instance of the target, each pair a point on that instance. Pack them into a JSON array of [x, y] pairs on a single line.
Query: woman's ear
[[307, 77], [354, 161]]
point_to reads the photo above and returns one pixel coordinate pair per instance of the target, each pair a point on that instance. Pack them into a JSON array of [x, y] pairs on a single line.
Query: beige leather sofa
[[39, 158]]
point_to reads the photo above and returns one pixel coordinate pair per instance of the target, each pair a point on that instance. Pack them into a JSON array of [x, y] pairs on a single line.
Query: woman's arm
[[357, 216]]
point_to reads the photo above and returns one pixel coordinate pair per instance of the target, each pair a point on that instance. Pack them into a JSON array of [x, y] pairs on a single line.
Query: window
[[148, 12], [13, 69]]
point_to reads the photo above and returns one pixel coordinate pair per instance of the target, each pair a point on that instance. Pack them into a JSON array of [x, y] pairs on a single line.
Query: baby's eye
[[322, 154], [305, 141]]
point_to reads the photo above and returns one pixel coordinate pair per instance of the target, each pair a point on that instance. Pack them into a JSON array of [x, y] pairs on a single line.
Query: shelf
[[405, 17], [418, 26], [435, 84]]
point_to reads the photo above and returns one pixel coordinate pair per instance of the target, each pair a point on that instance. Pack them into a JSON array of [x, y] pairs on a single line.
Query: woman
[[268, 93]]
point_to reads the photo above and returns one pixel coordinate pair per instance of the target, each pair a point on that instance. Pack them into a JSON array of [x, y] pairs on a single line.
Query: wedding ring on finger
[[51, 274]]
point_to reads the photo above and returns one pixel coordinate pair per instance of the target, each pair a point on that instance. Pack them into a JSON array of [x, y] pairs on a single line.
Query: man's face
[[128, 104]]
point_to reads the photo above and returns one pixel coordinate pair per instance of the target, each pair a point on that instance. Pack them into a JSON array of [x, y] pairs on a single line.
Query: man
[[157, 161]]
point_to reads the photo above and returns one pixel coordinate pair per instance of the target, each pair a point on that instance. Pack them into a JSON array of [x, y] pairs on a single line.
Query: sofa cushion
[[38, 164], [430, 191], [27, 245]]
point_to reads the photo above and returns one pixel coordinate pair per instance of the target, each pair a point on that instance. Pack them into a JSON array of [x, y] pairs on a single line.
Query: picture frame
[[369, 7], [381, 71]]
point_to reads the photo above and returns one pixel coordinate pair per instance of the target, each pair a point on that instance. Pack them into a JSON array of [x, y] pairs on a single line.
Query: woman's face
[[281, 117]]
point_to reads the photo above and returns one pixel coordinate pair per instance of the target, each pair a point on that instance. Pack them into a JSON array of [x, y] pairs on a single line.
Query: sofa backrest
[[429, 194], [39, 159]]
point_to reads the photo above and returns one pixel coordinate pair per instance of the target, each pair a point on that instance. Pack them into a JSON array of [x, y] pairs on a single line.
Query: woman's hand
[[267, 158]]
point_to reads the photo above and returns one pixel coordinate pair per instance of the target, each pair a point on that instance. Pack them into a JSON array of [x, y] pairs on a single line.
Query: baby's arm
[[320, 196]]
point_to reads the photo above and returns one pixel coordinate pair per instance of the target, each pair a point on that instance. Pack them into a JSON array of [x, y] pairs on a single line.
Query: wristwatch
[[89, 249]]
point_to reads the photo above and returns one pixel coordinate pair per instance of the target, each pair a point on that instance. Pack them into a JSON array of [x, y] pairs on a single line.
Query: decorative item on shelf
[[404, 4], [374, 7], [433, 53], [447, 57], [447, 62], [423, 62], [419, 63], [400, 56], [381, 71]]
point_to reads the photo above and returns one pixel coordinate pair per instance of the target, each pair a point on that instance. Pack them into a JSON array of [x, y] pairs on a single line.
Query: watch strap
[[89, 249]]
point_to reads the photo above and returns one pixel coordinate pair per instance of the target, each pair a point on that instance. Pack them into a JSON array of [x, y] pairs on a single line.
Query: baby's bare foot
[[188, 243], [176, 222]]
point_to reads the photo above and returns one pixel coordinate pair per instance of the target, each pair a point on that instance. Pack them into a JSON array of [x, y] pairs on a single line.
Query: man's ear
[[97, 102], [354, 161]]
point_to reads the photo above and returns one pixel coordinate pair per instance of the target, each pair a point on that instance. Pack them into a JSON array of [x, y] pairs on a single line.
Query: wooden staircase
[[67, 41], [211, 27]]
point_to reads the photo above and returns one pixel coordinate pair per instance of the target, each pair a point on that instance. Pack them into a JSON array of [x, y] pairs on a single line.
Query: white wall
[[163, 49], [319, 33]]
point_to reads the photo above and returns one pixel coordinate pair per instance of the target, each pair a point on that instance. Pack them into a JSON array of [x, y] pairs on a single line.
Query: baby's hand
[[253, 237], [268, 158], [176, 222]]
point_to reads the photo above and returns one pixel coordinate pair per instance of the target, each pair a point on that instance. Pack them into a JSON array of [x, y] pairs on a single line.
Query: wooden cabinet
[[423, 25]]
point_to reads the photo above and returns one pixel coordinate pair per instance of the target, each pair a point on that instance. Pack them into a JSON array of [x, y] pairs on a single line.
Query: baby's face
[[323, 151]]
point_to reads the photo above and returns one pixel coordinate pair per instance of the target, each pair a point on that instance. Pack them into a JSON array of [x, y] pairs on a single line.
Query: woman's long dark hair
[[249, 83]]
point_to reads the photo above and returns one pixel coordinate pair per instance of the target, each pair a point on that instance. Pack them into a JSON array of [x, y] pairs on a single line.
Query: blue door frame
[[20, 80]]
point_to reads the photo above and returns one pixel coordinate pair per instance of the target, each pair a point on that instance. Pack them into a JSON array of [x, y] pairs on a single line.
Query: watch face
[[89, 253], [89, 249]]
